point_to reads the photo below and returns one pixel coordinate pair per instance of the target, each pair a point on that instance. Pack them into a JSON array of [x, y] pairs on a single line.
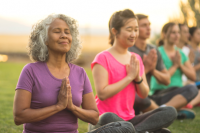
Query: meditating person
[[152, 61], [177, 64], [119, 74], [183, 45], [194, 47], [51, 90]]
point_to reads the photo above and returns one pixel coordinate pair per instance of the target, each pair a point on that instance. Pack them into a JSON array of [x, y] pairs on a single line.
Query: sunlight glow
[[3, 58]]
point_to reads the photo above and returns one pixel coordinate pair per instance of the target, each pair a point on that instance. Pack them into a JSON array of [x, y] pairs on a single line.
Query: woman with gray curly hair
[[51, 90]]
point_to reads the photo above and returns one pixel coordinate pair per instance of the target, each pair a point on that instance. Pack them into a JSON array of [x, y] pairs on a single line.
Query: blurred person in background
[[50, 91], [177, 63], [194, 46], [119, 74], [183, 45], [152, 61]]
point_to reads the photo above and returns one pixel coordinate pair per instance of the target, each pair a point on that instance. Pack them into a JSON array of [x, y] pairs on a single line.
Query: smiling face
[[59, 37], [128, 33], [144, 28]]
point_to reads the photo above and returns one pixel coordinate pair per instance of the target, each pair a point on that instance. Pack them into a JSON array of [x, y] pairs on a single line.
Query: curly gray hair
[[37, 49]]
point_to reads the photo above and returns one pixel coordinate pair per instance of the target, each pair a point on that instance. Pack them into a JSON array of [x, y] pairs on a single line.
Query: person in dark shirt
[[152, 62]]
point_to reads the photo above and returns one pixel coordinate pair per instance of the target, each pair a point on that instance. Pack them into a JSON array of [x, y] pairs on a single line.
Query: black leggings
[[189, 92], [141, 104], [150, 121]]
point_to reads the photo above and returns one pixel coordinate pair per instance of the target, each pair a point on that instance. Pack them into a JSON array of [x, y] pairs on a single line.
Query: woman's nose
[[133, 34], [63, 35]]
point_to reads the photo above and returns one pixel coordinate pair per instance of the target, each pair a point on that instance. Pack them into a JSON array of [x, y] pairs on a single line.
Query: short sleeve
[[87, 88], [100, 59], [184, 58], [141, 64], [26, 80], [160, 65]]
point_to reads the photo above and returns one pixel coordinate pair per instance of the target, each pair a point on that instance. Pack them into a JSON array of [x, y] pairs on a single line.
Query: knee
[[142, 104], [169, 112], [192, 91], [108, 117]]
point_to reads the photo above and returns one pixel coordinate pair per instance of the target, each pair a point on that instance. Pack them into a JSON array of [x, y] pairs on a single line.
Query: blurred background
[[18, 16]]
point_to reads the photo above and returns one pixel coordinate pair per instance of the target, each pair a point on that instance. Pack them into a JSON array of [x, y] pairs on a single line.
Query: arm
[[24, 114], [104, 90], [176, 59], [188, 70], [89, 112], [142, 88], [172, 70], [162, 77], [197, 67]]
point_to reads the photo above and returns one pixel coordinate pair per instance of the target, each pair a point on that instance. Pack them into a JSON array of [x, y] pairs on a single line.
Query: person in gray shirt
[[152, 62]]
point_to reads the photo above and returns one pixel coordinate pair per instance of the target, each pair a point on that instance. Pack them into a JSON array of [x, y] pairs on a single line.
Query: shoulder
[[160, 48], [102, 57], [180, 50], [151, 46], [32, 66], [102, 54], [76, 68]]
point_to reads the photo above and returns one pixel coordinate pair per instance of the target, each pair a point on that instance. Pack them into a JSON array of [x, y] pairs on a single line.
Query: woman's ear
[[114, 31]]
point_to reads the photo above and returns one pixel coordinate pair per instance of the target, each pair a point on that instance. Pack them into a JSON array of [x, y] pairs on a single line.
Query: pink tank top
[[122, 103]]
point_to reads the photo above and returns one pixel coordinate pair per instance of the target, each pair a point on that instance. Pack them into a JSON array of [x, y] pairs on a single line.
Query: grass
[[9, 74]]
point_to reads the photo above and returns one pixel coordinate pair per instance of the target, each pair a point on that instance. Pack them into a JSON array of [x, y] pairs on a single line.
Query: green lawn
[[9, 73]]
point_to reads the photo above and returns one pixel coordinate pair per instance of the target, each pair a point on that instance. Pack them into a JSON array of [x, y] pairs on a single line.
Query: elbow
[[18, 118], [102, 97], [144, 96], [167, 82], [95, 119], [193, 77], [17, 121]]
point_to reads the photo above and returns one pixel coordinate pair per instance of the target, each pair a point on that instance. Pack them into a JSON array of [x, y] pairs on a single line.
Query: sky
[[89, 13]]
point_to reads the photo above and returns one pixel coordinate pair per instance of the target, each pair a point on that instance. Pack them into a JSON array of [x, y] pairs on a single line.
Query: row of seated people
[[146, 79]]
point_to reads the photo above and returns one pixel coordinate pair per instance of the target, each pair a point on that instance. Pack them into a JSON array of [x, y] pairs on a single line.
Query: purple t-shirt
[[37, 79]]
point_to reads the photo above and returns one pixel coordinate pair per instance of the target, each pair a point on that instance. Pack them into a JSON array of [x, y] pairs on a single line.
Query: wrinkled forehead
[[58, 23]]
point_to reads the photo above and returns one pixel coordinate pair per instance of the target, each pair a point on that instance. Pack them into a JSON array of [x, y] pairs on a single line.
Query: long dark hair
[[117, 20], [191, 31], [165, 30]]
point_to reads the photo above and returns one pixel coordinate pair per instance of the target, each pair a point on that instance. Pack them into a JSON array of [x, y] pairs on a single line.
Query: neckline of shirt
[[55, 77]]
